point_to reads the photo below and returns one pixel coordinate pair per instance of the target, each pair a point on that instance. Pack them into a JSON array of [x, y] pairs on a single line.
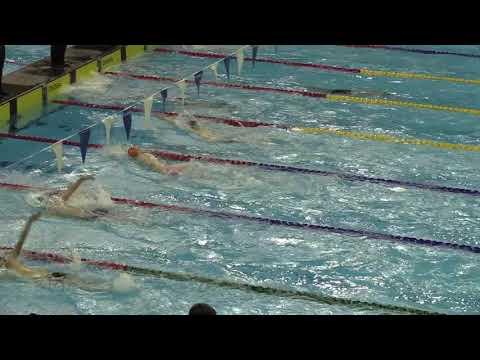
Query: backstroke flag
[[254, 54], [58, 150], [164, 94], [84, 138], [240, 57], [147, 109], [226, 62], [198, 79], [127, 122]]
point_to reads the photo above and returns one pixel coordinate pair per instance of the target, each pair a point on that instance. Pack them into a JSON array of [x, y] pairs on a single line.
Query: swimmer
[[202, 131], [156, 164], [204, 104], [187, 122], [348, 92], [60, 203], [12, 263]]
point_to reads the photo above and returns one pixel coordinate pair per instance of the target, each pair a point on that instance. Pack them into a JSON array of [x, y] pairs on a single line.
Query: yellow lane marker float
[[408, 75], [357, 135], [384, 102]]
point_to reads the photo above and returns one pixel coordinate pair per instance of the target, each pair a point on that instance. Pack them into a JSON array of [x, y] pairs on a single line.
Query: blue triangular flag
[[226, 62], [164, 94], [198, 78], [84, 138], [254, 54], [127, 123]]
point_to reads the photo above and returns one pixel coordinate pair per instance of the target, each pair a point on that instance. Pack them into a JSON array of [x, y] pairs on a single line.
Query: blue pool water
[[373, 270]]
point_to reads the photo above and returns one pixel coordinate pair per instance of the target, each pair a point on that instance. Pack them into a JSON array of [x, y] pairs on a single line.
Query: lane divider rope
[[223, 283], [419, 51], [313, 94], [311, 227], [357, 135], [265, 166], [362, 71]]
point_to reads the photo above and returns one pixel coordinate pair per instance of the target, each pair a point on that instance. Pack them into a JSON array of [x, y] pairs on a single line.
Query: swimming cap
[[341, 91], [58, 275], [133, 151], [193, 124]]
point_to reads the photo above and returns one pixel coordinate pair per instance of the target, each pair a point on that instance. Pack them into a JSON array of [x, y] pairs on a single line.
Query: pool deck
[[30, 88]]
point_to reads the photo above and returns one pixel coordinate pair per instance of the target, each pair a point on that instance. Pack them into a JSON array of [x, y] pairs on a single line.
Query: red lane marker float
[[311, 227], [226, 121], [269, 167], [35, 255], [271, 61], [221, 85], [45, 140]]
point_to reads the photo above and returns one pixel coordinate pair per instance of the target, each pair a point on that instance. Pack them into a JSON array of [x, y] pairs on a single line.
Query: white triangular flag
[[147, 109], [76, 261], [213, 67], [58, 150], [108, 127], [240, 57], [182, 85]]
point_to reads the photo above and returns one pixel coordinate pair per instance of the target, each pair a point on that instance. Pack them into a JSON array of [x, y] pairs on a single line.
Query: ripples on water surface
[[337, 265]]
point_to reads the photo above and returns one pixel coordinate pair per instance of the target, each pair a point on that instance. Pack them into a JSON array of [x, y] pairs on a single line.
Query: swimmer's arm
[[69, 211], [169, 119], [23, 236], [72, 188], [161, 166], [206, 134], [22, 270], [212, 137], [153, 162], [12, 261]]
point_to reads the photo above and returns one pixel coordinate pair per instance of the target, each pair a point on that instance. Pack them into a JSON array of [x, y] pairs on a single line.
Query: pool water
[[362, 268]]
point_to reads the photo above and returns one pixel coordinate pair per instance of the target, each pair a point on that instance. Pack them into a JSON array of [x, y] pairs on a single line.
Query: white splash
[[398, 189], [124, 283]]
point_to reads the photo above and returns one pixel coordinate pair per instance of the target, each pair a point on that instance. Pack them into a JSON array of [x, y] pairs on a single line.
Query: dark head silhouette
[[202, 309]]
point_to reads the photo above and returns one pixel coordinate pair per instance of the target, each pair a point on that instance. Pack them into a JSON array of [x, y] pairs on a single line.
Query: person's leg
[[57, 56], [2, 62]]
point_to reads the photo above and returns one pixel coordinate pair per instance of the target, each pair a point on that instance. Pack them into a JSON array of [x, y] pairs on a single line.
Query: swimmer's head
[[341, 91], [202, 309], [193, 124], [133, 151], [57, 275]]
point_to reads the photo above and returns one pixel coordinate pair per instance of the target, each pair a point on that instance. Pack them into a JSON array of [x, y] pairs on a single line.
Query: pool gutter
[[31, 88]]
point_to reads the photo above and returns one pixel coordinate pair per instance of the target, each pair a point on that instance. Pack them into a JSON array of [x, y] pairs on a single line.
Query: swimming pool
[[238, 249]]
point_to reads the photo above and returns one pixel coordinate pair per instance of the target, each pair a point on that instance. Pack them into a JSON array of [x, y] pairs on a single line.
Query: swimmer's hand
[[13, 264], [86, 177]]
